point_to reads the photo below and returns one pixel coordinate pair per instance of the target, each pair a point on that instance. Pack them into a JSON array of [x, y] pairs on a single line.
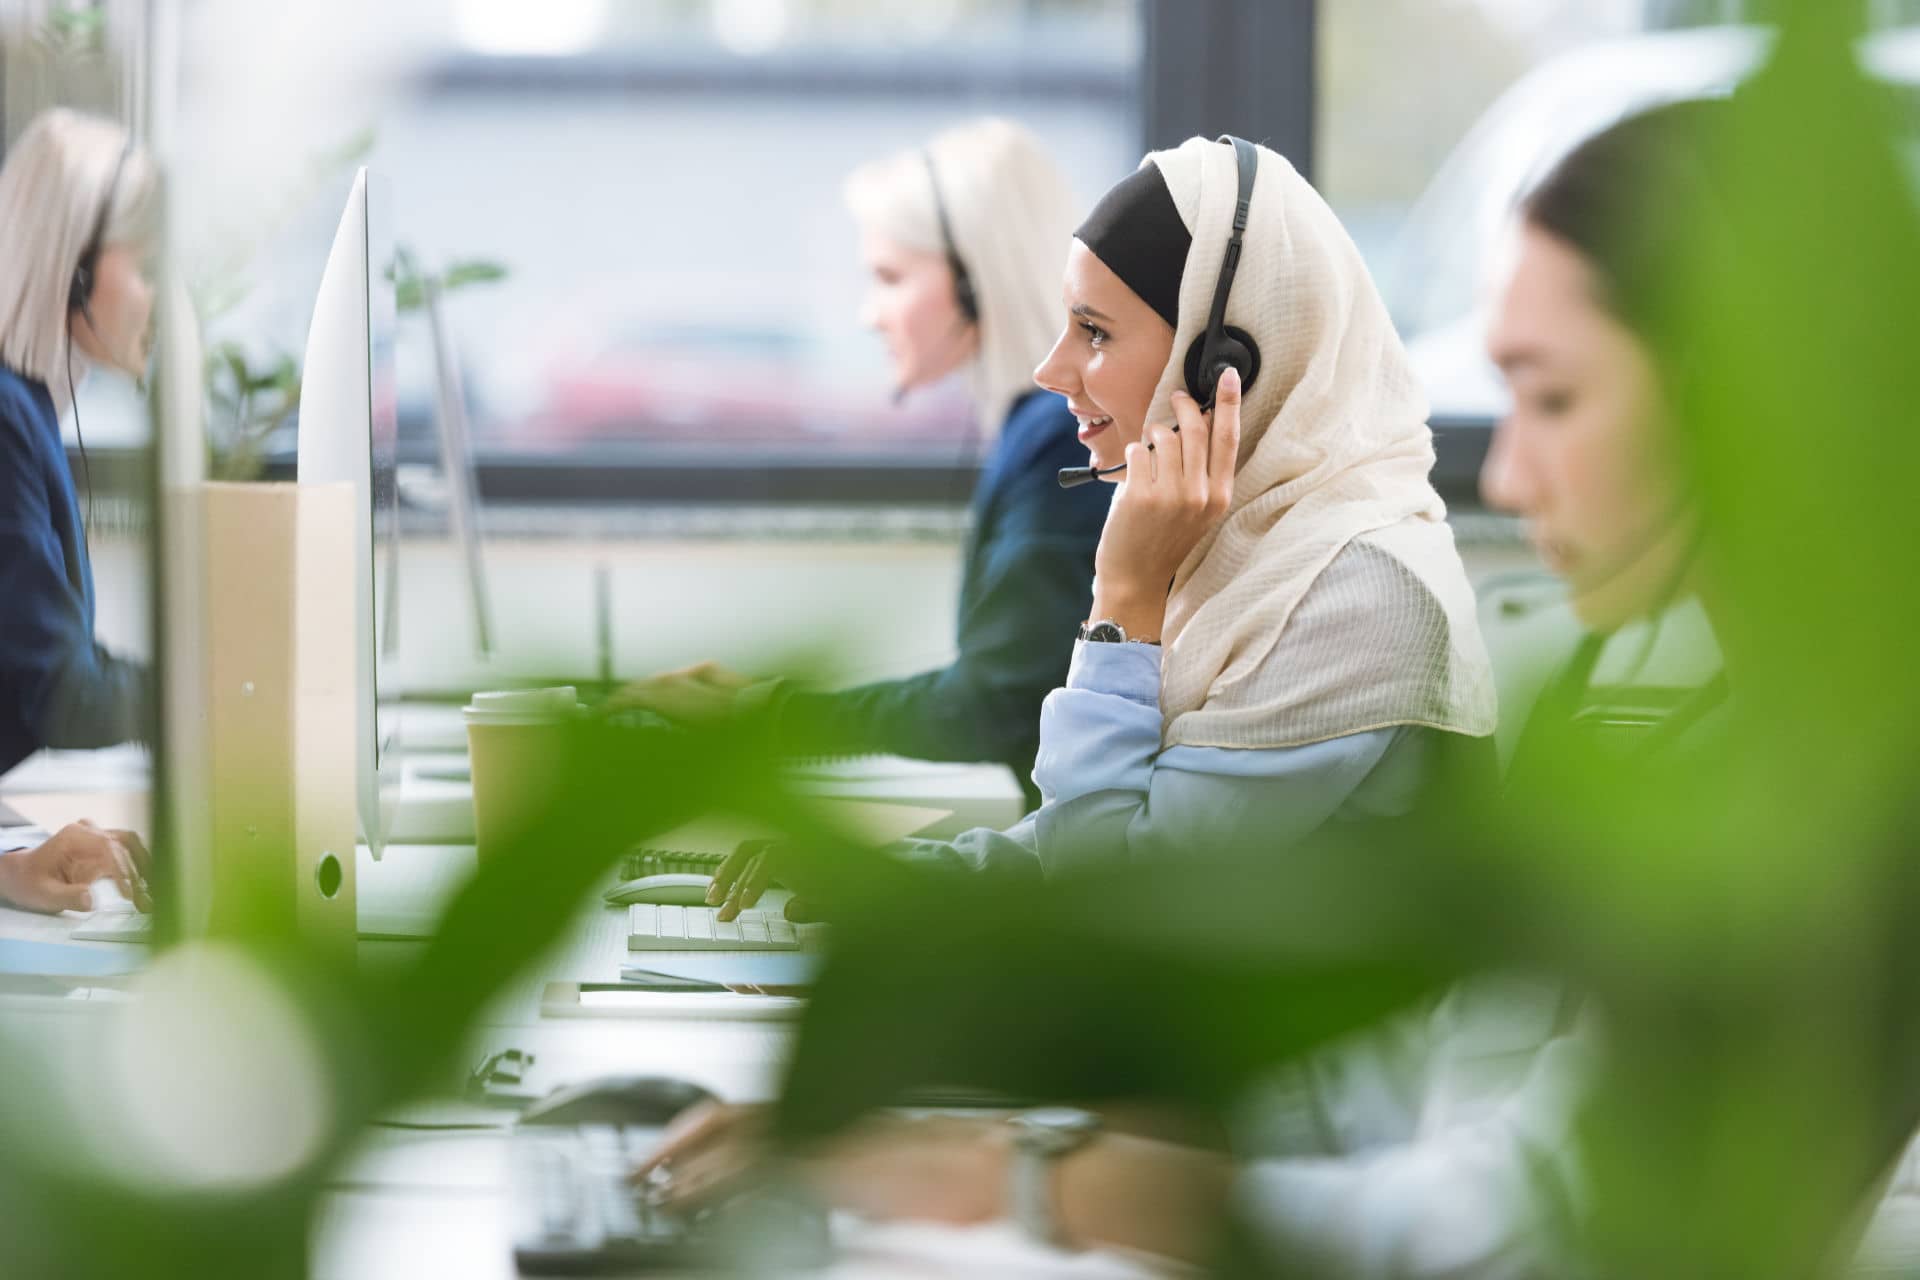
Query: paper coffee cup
[[516, 743]]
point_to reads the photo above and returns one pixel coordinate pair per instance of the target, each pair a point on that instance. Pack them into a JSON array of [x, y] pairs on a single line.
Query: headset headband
[[1222, 347], [962, 279], [83, 270]]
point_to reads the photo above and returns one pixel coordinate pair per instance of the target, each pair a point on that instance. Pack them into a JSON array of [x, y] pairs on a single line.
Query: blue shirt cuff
[[14, 839], [1130, 671]]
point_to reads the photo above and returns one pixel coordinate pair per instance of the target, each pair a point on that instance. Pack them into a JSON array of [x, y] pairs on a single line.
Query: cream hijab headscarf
[[1334, 448]]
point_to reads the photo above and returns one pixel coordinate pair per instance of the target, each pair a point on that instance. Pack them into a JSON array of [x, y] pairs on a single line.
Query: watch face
[[1070, 1119], [1107, 633], [1058, 1122]]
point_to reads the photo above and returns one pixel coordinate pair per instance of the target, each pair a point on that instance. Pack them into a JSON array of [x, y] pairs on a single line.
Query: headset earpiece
[[80, 290], [1223, 346], [1234, 349]]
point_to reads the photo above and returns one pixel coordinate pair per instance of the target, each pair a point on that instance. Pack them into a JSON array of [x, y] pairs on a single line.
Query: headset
[[80, 298], [1222, 346], [80, 291], [963, 293]]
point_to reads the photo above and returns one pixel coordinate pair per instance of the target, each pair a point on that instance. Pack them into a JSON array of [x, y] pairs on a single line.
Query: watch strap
[[1037, 1151]]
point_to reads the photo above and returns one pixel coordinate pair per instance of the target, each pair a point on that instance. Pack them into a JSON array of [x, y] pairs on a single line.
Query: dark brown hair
[[1637, 201]]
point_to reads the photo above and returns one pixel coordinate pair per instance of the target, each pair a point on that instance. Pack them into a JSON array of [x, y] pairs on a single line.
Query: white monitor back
[[348, 432]]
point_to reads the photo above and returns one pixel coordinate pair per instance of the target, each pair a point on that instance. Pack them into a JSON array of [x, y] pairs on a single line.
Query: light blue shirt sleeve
[[13, 839], [1109, 790]]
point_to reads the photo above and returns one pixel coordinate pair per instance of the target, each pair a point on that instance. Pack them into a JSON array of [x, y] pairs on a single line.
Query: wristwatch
[[1040, 1138], [1107, 631]]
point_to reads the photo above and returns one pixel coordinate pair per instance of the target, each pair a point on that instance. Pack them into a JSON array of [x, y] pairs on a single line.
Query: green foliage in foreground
[[1738, 916]]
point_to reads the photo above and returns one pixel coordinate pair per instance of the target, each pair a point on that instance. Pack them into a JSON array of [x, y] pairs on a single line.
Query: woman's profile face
[[1109, 358], [910, 302], [1583, 455], [116, 327]]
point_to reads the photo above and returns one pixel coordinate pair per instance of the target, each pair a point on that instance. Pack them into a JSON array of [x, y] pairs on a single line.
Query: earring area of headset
[[963, 294], [85, 271], [1223, 346]]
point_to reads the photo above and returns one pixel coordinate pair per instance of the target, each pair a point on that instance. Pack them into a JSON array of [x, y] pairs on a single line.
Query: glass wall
[[657, 189], [1435, 116]]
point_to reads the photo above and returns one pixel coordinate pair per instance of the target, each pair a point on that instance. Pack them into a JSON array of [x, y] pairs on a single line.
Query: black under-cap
[[1137, 232]]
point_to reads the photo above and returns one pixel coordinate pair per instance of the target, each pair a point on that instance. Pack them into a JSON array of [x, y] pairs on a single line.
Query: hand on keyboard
[[578, 1211], [702, 694], [749, 871], [938, 1168], [706, 1150], [59, 875]]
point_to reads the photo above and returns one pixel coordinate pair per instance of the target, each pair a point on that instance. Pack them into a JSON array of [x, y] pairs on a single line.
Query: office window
[[1436, 115], [661, 184]]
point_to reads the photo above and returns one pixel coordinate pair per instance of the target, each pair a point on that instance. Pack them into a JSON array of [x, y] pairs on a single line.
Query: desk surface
[[126, 810], [428, 1204]]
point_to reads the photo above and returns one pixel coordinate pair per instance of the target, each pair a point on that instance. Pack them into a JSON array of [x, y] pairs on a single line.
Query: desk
[[122, 810], [110, 787], [421, 1205], [974, 795], [124, 768]]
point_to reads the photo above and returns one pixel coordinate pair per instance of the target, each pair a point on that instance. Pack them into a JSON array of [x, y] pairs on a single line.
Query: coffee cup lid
[[524, 706]]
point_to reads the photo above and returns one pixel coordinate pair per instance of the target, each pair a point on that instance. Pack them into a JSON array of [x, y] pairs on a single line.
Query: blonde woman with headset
[[76, 210], [963, 239]]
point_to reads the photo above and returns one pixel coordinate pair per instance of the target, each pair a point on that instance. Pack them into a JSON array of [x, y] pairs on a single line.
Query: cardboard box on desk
[[262, 707]]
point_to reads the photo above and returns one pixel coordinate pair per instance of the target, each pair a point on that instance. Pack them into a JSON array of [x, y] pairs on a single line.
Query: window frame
[[1239, 66]]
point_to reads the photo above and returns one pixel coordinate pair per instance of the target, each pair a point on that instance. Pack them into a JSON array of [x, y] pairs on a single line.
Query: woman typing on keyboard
[[1282, 633]]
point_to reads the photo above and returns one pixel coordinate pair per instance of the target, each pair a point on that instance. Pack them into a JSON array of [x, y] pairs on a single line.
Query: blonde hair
[[1012, 216], [51, 191]]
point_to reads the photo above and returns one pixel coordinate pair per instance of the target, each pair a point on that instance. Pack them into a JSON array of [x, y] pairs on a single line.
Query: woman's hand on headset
[[1178, 486]]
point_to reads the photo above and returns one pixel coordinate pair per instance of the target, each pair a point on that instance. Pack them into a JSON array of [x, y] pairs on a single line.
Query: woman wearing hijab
[[1441, 1145], [1281, 626], [962, 239]]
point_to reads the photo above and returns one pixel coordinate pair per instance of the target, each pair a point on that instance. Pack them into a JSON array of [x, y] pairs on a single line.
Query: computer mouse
[[669, 889], [639, 1101]]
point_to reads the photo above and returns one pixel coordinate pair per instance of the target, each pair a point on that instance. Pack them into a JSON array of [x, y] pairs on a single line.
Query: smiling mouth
[[1091, 427]]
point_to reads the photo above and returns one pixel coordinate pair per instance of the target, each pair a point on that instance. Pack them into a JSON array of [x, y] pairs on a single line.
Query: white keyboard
[[120, 924], [653, 928]]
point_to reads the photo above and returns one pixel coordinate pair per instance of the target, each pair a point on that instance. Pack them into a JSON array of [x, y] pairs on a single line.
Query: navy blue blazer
[[1027, 587], [57, 687]]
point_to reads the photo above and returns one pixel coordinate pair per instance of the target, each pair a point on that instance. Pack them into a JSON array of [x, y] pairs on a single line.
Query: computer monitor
[[349, 431]]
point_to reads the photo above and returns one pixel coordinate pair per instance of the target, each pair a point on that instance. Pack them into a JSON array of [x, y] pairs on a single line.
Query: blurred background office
[[669, 405], [683, 444]]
